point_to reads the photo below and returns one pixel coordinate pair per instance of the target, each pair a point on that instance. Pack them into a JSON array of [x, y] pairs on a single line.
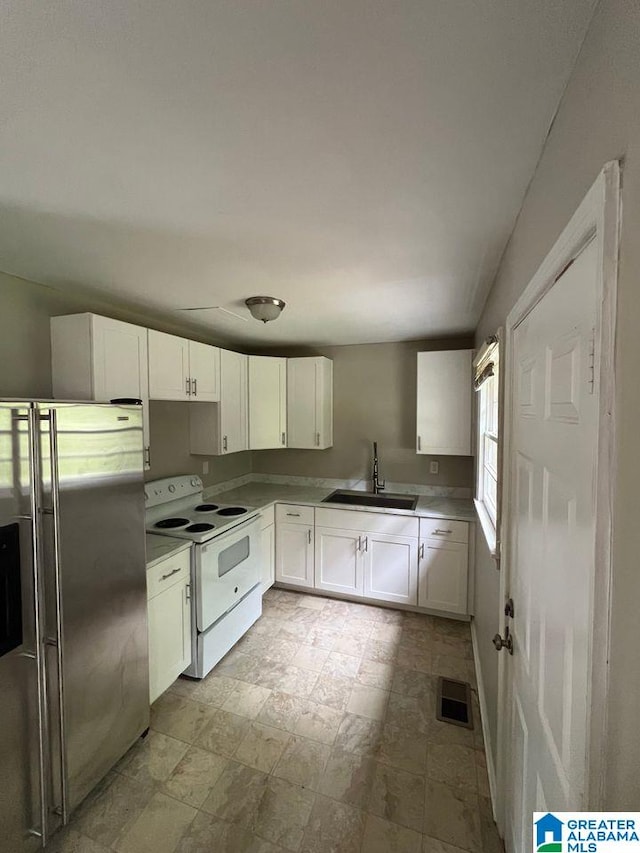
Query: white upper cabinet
[[223, 428], [310, 403], [267, 402], [444, 403], [97, 358], [204, 372], [180, 369]]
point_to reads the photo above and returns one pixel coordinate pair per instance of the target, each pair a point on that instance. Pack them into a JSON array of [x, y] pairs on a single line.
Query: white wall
[[598, 120]]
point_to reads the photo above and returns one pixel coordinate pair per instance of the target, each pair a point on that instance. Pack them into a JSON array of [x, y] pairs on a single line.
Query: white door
[[443, 403], [339, 561], [391, 568], [443, 575], [551, 532], [169, 615], [233, 402], [267, 402], [168, 367], [301, 404], [120, 365], [204, 372], [294, 554]]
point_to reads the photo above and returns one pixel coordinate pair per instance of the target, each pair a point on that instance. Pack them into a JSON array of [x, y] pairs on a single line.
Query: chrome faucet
[[378, 486]]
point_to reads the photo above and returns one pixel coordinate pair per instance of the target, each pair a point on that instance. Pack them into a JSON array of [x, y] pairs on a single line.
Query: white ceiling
[[364, 160]]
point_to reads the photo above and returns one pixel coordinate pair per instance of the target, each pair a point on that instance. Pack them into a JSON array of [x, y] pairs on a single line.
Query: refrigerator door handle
[[34, 491], [54, 511]]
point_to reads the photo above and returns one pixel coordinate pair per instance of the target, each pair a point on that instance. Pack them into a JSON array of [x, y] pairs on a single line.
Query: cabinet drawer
[[294, 514], [443, 528], [267, 517], [172, 570], [368, 522]]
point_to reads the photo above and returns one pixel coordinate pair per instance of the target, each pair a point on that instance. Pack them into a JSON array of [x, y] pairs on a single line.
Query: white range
[[225, 563]]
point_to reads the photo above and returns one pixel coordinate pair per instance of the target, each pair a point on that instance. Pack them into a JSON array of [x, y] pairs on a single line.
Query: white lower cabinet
[[268, 548], [169, 615], [391, 568], [295, 545], [443, 573], [339, 565]]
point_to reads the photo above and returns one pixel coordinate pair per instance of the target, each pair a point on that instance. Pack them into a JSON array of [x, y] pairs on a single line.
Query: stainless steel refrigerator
[[74, 693]]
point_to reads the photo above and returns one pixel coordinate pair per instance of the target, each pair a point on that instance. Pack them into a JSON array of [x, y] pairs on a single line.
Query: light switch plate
[[434, 467], [205, 466]]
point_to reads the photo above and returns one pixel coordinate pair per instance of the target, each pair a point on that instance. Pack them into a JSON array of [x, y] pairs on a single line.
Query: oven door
[[227, 568]]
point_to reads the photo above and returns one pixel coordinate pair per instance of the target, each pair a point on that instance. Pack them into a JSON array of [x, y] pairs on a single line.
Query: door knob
[[506, 643]]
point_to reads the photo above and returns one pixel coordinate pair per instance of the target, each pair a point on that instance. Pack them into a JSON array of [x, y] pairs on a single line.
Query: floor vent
[[454, 702]]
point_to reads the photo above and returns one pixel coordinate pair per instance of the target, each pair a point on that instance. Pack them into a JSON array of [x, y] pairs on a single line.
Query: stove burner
[[232, 510], [171, 522], [198, 528], [206, 507]]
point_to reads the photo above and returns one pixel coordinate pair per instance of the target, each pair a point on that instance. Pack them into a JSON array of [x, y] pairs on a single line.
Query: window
[[487, 385]]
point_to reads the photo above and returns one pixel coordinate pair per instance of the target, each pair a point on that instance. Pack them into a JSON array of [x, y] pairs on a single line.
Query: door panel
[[233, 402], [294, 554], [168, 367], [443, 576], [102, 583], [551, 531], [204, 372], [339, 565], [20, 653], [267, 402], [169, 638], [391, 568]]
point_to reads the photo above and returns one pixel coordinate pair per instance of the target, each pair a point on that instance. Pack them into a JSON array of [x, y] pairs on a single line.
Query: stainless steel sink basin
[[342, 496]]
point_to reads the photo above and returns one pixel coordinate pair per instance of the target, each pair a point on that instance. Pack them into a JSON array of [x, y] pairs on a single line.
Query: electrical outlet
[[205, 466], [434, 467]]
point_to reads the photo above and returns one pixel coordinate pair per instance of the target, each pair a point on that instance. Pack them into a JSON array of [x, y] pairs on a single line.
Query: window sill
[[488, 529]]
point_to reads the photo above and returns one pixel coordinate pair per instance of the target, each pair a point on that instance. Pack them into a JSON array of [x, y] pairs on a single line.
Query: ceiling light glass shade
[[264, 308]]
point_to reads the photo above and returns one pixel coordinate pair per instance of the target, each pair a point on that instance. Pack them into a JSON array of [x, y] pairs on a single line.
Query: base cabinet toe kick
[[423, 564]]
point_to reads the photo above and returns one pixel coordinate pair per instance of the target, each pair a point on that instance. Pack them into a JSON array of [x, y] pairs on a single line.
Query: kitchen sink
[[342, 496]]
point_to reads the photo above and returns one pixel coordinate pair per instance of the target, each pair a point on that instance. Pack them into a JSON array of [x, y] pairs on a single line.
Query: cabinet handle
[[421, 551], [169, 574], [187, 382], [419, 444], [437, 532], [359, 545], [195, 387], [224, 442], [283, 439], [366, 543], [317, 439], [294, 514], [147, 456], [187, 592], [309, 534]]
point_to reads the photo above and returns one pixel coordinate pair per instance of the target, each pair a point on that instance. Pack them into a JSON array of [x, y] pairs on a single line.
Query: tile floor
[[316, 733]]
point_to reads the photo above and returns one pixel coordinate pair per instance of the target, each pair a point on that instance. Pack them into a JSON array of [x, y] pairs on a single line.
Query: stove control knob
[[194, 481], [172, 488], [146, 495]]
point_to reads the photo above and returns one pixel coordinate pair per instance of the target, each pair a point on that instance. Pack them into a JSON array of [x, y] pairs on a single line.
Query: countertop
[[262, 495], [161, 547]]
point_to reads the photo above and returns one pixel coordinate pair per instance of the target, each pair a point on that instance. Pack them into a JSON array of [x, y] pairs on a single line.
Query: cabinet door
[[391, 568], [267, 402], [169, 637], [233, 402], [310, 403], [268, 556], [443, 577], [339, 564], [121, 365], [168, 367], [204, 372], [294, 554], [443, 403]]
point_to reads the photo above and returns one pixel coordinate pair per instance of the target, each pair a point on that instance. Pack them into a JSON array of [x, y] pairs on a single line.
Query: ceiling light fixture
[[264, 308]]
